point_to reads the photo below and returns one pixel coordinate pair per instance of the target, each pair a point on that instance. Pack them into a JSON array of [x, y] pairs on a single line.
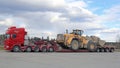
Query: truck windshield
[[7, 36], [13, 35]]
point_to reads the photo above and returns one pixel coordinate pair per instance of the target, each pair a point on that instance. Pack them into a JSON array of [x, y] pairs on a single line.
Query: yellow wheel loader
[[75, 41]]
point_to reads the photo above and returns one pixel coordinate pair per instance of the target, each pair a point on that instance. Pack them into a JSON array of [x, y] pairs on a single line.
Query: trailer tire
[[106, 49], [16, 49], [98, 50], [91, 46], [28, 49], [111, 50], [44, 49], [75, 45], [51, 49], [102, 50], [36, 49]]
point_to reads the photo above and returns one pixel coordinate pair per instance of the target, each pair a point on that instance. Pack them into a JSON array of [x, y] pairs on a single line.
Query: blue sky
[[50, 17], [102, 5]]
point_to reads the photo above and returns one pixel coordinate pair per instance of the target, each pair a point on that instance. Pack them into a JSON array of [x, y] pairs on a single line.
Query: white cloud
[[7, 22], [47, 3], [111, 30], [78, 4], [49, 17], [108, 34], [111, 14]]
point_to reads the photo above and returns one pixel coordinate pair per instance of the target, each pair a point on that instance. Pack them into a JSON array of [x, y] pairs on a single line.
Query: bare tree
[[2, 38]]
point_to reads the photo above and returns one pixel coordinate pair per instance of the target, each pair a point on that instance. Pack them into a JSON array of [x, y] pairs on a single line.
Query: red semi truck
[[18, 41]]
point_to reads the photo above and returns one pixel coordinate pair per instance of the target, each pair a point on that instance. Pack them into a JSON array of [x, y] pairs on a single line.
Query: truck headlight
[[7, 46]]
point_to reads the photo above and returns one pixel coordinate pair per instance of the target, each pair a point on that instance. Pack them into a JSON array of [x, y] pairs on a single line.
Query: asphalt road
[[59, 60]]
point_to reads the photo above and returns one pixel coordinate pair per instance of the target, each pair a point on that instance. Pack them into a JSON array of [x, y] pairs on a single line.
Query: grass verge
[[1, 48], [117, 50]]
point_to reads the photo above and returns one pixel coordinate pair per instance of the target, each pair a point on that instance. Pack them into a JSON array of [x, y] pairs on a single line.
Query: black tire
[[16, 49], [102, 50], [44, 49], [111, 50], [28, 49], [51, 49], [107, 50], [98, 50], [91, 46], [74, 45], [36, 49]]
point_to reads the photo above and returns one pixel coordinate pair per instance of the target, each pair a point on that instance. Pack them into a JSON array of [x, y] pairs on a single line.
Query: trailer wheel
[[75, 45], [102, 50], [107, 50], [51, 49], [98, 50], [44, 49], [36, 49], [28, 49], [16, 49], [111, 50], [91, 46]]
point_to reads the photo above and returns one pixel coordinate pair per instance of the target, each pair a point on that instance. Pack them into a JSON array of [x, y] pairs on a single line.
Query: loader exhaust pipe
[[66, 31]]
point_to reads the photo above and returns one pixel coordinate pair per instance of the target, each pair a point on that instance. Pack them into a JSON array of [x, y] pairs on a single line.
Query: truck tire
[[51, 49], [74, 45], [36, 49], [98, 50], [44, 49], [16, 49], [28, 49], [91, 46]]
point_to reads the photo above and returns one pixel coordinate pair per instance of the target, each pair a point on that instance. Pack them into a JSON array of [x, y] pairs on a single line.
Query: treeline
[[2, 38]]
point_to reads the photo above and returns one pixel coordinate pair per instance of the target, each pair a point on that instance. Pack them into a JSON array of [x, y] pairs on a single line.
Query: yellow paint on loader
[[75, 35]]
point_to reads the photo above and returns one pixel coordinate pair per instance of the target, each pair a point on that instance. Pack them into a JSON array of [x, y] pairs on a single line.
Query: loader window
[[78, 32]]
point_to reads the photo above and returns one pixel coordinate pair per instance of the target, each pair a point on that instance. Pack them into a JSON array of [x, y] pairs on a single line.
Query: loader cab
[[78, 32]]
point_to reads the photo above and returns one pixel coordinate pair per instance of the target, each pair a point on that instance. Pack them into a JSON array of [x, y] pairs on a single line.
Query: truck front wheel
[[16, 49]]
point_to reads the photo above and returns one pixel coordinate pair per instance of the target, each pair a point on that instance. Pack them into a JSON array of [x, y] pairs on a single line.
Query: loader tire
[[74, 45], [91, 46]]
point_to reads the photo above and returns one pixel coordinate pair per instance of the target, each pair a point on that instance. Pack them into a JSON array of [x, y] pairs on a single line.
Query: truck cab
[[14, 37]]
